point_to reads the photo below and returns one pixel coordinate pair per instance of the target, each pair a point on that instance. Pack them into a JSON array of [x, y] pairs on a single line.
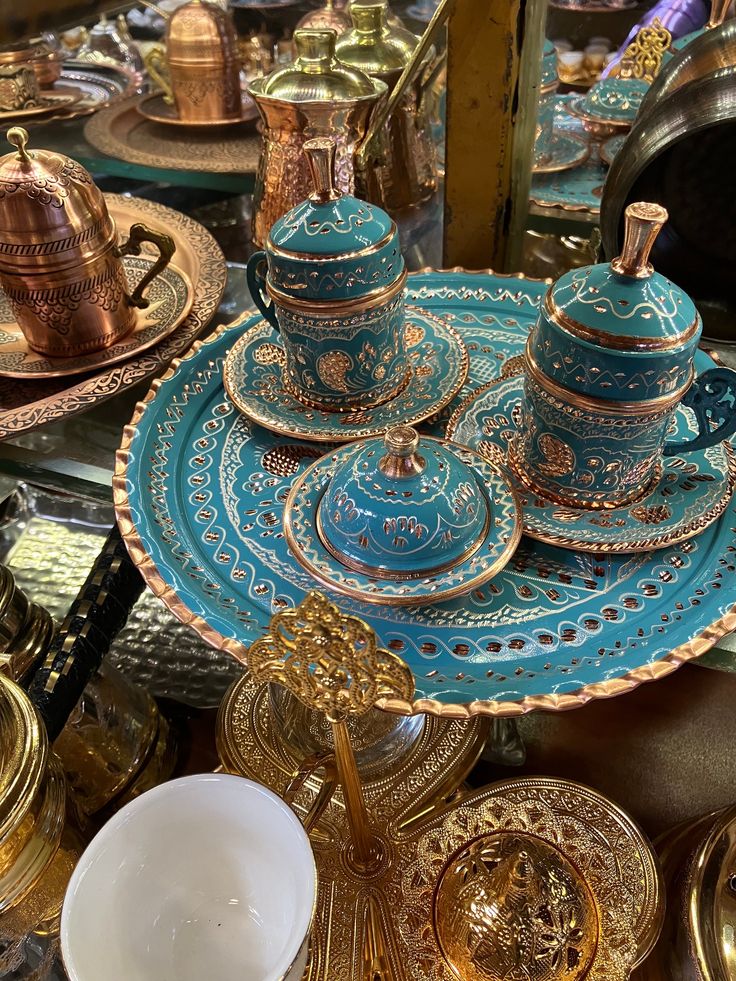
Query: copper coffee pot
[[202, 63], [314, 96], [405, 168], [59, 258]]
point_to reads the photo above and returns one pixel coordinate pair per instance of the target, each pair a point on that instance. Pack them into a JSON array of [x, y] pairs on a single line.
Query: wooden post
[[491, 109]]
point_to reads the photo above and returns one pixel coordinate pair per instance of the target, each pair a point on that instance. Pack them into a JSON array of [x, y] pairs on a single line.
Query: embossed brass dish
[[400, 894]]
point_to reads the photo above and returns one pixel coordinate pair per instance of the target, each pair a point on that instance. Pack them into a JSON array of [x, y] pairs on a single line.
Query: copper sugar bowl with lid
[[314, 96], [202, 62], [60, 264]]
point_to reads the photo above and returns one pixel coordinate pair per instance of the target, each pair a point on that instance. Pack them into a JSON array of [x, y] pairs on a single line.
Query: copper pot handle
[[164, 243], [321, 761], [157, 67]]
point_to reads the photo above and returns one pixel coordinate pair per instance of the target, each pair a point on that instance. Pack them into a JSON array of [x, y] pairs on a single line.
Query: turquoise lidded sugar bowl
[[402, 521], [336, 282], [608, 362], [610, 106]]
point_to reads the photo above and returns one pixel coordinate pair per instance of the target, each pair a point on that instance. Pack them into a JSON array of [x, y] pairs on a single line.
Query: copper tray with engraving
[[121, 131], [26, 405]]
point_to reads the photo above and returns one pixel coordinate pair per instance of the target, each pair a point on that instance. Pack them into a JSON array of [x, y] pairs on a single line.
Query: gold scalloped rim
[[692, 649]]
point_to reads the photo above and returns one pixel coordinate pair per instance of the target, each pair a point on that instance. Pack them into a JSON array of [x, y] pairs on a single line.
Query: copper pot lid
[[316, 74], [201, 32], [374, 45], [50, 209]]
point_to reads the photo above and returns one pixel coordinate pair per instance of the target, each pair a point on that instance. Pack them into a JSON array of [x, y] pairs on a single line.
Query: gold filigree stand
[[382, 846], [643, 57]]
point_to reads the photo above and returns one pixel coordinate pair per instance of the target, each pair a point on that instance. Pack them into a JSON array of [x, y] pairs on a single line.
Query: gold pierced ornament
[[643, 57], [533, 878]]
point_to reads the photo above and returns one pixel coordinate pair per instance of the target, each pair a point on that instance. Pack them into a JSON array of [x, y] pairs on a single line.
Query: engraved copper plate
[[120, 131], [26, 405], [155, 108], [170, 298]]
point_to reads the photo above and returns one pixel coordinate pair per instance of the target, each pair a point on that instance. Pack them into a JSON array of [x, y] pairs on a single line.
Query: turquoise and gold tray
[[199, 494]]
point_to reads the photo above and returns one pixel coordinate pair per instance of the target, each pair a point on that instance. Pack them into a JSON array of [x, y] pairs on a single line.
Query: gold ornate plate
[[158, 110], [415, 773], [52, 102], [27, 404], [121, 131], [253, 369], [170, 297]]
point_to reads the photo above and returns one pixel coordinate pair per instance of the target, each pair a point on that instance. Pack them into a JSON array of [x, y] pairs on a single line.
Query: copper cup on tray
[[60, 261], [199, 72]]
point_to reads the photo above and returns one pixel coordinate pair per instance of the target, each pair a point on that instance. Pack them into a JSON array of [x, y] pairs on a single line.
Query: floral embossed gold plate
[[690, 493]]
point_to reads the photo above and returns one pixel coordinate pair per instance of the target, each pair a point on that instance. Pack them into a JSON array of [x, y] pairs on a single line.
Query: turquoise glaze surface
[[620, 309], [254, 378], [576, 455], [549, 65], [336, 250], [690, 493], [614, 99], [357, 359], [483, 558], [397, 523], [206, 490]]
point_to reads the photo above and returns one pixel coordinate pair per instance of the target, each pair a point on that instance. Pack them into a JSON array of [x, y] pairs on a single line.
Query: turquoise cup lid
[[614, 100], [402, 509], [333, 245], [625, 304]]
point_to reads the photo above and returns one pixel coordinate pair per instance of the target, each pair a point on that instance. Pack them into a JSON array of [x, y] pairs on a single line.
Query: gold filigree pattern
[[329, 660], [643, 57], [652, 515], [559, 458], [511, 905]]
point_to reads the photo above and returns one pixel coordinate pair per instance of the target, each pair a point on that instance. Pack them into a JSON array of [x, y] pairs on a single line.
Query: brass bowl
[[699, 866]]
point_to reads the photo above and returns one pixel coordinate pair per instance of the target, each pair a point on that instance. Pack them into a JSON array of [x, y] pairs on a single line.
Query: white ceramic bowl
[[205, 878]]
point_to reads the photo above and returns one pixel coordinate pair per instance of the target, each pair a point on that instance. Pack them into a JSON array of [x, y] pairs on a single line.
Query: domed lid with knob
[[200, 31], [51, 211], [619, 330], [374, 45], [399, 509], [403, 521], [316, 74], [333, 245], [508, 905]]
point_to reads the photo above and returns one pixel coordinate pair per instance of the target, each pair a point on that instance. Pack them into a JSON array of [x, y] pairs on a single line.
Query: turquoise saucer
[[692, 492], [253, 380], [566, 151], [492, 552]]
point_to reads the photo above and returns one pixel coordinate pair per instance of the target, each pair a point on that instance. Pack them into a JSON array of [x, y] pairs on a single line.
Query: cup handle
[[256, 283], [322, 761], [712, 397], [157, 68], [165, 244]]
